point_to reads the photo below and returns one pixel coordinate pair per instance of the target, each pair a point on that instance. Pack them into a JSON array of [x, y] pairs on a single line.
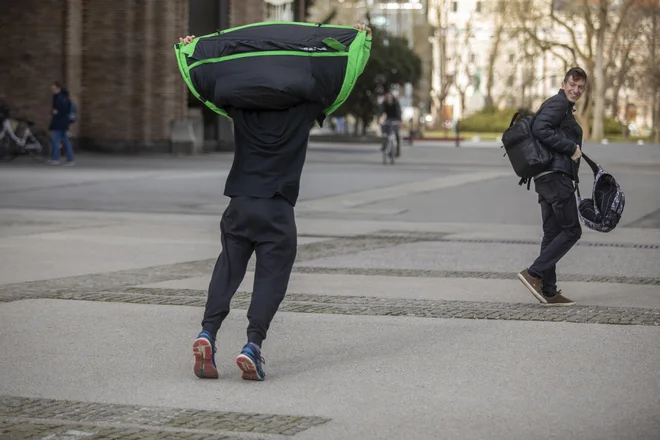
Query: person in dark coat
[[59, 124], [556, 128], [263, 184]]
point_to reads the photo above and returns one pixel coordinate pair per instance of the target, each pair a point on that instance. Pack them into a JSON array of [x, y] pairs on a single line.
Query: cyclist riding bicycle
[[390, 119]]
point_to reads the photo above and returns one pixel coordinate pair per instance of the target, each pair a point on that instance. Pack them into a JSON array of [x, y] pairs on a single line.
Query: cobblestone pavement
[[115, 287], [178, 271], [306, 252], [29, 418], [361, 305]]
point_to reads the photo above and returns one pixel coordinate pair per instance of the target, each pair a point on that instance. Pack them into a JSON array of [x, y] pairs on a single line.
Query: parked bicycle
[[389, 132], [18, 136]]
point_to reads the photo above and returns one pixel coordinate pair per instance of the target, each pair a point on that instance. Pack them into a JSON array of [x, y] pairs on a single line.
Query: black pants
[[267, 227], [561, 225]]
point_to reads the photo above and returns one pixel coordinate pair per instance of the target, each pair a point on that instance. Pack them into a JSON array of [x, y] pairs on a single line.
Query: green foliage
[[391, 62], [489, 119], [612, 126]]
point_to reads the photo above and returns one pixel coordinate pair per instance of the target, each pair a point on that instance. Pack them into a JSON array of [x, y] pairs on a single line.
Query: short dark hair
[[57, 84], [576, 73]]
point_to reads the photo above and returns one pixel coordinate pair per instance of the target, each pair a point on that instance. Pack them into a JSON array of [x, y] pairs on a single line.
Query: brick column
[[32, 56], [73, 59], [133, 90]]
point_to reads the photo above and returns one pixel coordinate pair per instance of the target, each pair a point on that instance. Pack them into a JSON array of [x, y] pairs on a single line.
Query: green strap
[[358, 55], [185, 73], [334, 44]]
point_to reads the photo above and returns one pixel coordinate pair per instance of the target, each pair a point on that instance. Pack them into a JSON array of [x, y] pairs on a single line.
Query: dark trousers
[[561, 225], [267, 227]]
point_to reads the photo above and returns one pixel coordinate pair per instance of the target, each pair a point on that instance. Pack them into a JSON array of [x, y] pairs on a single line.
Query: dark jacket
[[270, 151], [393, 110], [556, 128], [62, 104]]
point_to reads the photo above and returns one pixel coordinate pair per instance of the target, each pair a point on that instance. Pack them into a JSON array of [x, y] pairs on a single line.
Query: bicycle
[[12, 144], [389, 152]]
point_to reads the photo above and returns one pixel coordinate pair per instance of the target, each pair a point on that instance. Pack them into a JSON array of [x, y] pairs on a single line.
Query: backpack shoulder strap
[[514, 118]]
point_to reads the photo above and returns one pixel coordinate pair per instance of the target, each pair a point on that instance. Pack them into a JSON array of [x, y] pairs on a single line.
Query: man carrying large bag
[[274, 80]]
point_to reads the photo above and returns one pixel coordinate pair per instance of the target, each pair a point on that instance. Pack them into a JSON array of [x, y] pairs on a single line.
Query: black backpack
[[527, 156]]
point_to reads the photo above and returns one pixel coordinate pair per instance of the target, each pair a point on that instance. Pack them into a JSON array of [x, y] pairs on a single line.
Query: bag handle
[[514, 118], [592, 164]]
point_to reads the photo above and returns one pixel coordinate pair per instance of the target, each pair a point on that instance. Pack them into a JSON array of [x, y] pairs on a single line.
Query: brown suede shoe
[[558, 300], [534, 285]]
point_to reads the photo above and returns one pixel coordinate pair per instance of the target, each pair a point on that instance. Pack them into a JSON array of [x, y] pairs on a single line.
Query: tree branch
[[617, 31], [548, 45], [571, 32]]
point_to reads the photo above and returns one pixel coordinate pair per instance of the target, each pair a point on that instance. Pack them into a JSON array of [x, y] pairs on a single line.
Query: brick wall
[[114, 56], [132, 86], [31, 56]]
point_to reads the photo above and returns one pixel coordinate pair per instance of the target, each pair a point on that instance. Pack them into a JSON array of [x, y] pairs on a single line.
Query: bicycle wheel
[[8, 150], [39, 146], [391, 150]]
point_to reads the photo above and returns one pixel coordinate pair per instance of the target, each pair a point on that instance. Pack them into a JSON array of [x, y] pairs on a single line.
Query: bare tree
[[593, 28], [621, 66], [461, 57], [499, 13], [446, 79], [651, 29]]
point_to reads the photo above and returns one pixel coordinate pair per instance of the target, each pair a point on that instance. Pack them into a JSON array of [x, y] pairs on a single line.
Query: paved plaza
[[404, 318]]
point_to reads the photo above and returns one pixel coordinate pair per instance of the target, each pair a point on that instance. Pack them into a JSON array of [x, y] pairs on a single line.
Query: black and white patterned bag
[[603, 211]]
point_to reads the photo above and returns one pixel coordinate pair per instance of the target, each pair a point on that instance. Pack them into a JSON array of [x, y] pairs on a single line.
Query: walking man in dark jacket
[[263, 185], [59, 125], [555, 128]]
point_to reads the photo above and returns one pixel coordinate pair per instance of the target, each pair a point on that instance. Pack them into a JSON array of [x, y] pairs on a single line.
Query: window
[[512, 57], [509, 81], [454, 6], [473, 58], [478, 7]]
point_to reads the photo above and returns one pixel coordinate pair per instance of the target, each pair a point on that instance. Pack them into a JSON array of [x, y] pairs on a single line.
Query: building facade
[[464, 36], [116, 59]]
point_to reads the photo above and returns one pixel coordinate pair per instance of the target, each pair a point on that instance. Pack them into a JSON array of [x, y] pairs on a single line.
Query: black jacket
[[62, 104], [270, 151], [556, 128], [393, 110]]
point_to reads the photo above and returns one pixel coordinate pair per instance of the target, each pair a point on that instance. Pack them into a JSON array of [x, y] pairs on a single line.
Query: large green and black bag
[[273, 66]]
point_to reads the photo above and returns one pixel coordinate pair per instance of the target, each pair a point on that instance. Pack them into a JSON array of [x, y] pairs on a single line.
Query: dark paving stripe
[[467, 274], [127, 416], [373, 306], [442, 237], [178, 271], [28, 429]]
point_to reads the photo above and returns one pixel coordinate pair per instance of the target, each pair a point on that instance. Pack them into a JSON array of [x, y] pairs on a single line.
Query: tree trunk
[[492, 58], [363, 126], [655, 132], [615, 100], [655, 78], [598, 130]]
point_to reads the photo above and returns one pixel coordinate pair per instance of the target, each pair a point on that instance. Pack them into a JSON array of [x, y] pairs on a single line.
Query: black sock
[[533, 274]]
